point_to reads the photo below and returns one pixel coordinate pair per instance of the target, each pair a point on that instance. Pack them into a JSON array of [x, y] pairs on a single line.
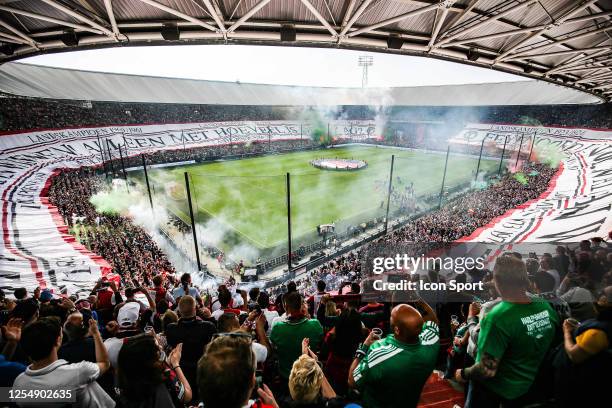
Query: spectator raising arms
[[41, 340], [144, 379], [391, 372], [185, 288], [585, 360], [308, 385]]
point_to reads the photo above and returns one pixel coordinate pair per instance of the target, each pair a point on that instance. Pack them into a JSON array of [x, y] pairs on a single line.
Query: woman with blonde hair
[[330, 309], [307, 383]]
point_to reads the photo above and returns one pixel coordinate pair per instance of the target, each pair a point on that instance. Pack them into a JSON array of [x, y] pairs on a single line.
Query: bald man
[[391, 372]]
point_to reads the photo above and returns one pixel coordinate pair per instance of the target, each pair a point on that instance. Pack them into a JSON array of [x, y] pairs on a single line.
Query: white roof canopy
[[59, 83]]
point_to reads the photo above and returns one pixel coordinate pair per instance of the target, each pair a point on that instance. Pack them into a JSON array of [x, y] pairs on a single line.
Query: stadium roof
[[563, 41], [60, 83]]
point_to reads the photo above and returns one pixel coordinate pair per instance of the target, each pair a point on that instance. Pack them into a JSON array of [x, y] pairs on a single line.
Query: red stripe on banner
[[583, 172], [497, 220], [544, 196]]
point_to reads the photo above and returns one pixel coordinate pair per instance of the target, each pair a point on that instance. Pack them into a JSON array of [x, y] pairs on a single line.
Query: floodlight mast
[[365, 61]]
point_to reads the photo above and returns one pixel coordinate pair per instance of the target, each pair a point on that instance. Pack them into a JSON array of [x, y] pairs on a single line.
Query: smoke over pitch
[[135, 205]]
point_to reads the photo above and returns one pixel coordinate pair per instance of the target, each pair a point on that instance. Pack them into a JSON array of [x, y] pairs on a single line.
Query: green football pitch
[[244, 201]]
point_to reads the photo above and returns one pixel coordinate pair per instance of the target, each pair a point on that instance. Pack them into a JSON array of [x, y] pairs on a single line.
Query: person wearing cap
[[45, 296], [127, 321], [130, 296], [585, 361]]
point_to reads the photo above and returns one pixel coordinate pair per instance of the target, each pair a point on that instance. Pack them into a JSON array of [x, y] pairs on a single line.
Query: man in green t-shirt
[[287, 336], [513, 341], [392, 372]]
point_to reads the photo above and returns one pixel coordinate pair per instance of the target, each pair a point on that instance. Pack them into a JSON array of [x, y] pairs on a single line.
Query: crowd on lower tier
[[127, 247], [204, 153], [134, 255], [470, 211], [539, 331]]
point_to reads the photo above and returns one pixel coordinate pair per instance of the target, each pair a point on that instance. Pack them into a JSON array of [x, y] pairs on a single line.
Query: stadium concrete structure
[[561, 41]]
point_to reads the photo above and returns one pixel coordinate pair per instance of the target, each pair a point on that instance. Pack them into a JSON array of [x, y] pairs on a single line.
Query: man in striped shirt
[[391, 372]]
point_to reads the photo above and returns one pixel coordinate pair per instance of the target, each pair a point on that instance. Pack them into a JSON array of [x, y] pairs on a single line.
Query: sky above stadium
[[273, 65]]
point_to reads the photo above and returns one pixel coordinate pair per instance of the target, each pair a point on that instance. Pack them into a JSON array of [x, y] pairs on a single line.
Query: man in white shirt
[[127, 318], [41, 340], [264, 303]]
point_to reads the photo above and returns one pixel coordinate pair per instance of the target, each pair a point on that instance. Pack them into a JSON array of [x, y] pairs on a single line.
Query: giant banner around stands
[[37, 249], [578, 202]]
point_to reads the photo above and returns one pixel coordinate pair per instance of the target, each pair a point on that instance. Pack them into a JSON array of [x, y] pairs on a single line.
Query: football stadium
[[407, 204]]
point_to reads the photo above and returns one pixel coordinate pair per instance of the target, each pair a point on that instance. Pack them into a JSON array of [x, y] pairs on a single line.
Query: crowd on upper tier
[[51, 114]]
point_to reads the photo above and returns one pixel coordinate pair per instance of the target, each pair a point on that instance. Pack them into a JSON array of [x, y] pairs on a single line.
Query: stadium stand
[[337, 365], [96, 309]]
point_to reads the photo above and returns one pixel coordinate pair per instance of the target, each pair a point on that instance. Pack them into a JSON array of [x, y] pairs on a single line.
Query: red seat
[[439, 393]]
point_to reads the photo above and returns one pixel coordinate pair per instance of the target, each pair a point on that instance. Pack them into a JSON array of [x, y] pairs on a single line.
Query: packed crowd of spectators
[[51, 114], [205, 153], [126, 246], [592, 116], [468, 212], [539, 330]]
